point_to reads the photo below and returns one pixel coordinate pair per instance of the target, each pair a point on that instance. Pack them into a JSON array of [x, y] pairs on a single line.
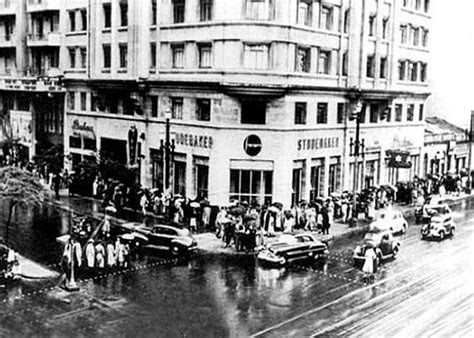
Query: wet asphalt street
[[427, 291]]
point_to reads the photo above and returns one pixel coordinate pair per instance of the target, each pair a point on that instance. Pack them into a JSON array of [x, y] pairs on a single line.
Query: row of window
[[374, 113], [252, 111], [418, 5], [77, 20], [413, 36], [412, 71], [107, 55], [372, 29]]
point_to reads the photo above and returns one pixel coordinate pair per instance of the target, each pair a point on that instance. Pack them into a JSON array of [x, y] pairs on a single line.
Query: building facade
[[256, 91], [446, 148]]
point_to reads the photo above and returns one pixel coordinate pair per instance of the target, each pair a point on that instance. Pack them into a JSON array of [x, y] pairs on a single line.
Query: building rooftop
[[438, 126]]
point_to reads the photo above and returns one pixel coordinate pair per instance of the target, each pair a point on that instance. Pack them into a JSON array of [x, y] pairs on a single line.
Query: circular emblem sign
[[252, 145]]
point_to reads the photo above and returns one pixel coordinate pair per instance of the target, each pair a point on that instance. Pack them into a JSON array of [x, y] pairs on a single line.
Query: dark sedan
[[163, 237], [290, 248]]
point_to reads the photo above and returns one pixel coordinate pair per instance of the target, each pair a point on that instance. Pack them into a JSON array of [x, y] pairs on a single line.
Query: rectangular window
[[322, 113], [413, 70], [256, 56], [398, 112], [178, 11], [345, 64], [178, 56], [420, 112], [424, 38], [205, 10], [324, 62], [71, 98], [251, 186], [325, 18], [154, 106], [372, 22], [107, 15], [123, 51], [72, 57], [153, 12], [370, 66], [253, 112], [75, 142], [374, 113], [83, 96], [83, 52], [300, 113], [106, 52], [423, 72], [346, 21], [203, 109], [259, 9], [410, 112], [205, 56], [416, 36], [305, 12], [83, 19], [153, 55], [341, 112], [123, 13], [72, 20], [383, 68], [401, 70], [403, 34], [303, 59], [388, 112], [177, 108], [426, 6], [385, 27], [417, 5]]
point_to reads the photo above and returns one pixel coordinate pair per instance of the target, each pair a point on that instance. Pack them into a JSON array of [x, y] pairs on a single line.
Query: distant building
[[446, 148], [256, 90]]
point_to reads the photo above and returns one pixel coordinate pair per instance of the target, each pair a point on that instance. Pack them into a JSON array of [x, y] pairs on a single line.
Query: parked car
[[391, 220], [385, 246], [440, 226], [163, 237], [290, 248]]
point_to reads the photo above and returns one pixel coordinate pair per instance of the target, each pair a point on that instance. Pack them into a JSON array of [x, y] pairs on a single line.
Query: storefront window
[[179, 178], [317, 179], [201, 176], [157, 169], [334, 175], [246, 185], [298, 182]]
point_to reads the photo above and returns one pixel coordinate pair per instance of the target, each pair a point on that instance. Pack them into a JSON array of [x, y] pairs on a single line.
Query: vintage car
[[384, 244], [290, 248], [440, 226], [391, 220], [424, 213], [163, 237]]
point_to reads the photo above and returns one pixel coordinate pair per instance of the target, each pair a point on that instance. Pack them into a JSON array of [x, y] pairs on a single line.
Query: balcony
[[7, 41], [7, 8], [51, 39], [32, 84], [43, 5]]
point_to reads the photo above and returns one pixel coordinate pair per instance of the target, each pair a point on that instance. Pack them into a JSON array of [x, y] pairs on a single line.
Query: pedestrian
[[110, 251], [220, 220], [56, 184], [289, 222], [326, 219], [77, 253], [100, 255], [206, 215], [106, 226], [370, 257], [90, 255], [144, 203], [120, 252], [311, 216]]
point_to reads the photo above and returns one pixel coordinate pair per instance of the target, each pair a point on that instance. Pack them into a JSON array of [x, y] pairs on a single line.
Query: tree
[[20, 187]]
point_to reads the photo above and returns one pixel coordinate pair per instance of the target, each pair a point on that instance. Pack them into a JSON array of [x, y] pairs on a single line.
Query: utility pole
[[356, 147], [167, 149]]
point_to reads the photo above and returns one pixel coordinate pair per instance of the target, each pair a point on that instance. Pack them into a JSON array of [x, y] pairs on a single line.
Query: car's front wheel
[[441, 235], [395, 251], [451, 231]]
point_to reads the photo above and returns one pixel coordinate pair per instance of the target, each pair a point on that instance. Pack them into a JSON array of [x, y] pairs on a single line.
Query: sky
[[451, 66]]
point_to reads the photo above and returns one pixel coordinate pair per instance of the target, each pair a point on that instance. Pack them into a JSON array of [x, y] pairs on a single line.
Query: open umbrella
[[237, 210], [194, 204], [111, 209]]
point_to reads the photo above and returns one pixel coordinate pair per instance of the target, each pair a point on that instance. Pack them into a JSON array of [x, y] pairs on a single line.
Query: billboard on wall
[[21, 126]]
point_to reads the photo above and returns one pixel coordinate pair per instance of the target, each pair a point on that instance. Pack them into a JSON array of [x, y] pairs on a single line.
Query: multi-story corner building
[[31, 97], [256, 90]]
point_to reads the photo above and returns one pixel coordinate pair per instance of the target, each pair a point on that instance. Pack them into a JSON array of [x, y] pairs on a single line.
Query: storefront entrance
[[252, 186]]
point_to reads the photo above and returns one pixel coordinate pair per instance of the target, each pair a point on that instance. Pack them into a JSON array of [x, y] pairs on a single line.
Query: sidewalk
[[208, 242], [33, 270]]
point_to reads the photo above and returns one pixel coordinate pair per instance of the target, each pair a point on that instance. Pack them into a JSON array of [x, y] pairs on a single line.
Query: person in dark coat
[[56, 183], [326, 222]]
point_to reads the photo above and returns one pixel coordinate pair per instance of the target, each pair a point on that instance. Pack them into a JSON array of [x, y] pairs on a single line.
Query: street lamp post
[[167, 148], [71, 284], [356, 147]]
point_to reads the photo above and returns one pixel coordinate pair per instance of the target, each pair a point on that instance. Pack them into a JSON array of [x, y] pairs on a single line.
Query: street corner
[[210, 243]]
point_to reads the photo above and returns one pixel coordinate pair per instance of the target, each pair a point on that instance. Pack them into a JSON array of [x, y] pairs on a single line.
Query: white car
[[390, 220]]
